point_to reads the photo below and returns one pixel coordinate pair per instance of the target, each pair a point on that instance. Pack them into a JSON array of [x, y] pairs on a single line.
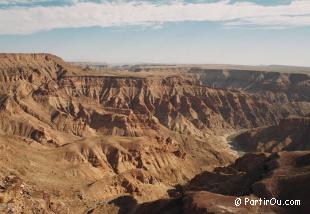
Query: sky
[[248, 32]]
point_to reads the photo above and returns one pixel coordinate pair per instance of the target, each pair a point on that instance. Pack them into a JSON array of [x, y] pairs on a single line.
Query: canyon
[[150, 138]]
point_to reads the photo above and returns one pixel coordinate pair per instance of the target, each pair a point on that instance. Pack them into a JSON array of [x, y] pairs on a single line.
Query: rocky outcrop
[[281, 176], [291, 134]]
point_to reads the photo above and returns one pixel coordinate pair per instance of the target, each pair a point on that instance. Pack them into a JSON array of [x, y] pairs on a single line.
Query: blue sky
[[199, 31]]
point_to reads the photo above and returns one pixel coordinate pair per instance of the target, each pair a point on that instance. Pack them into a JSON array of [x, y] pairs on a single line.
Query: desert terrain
[[151, 138]]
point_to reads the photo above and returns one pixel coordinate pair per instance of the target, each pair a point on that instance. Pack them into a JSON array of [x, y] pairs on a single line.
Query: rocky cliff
[[282, 176], [274, 86], [70, 102], [291, 134]]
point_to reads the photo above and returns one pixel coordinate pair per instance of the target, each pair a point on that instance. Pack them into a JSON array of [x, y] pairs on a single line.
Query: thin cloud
[[27, 20]]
